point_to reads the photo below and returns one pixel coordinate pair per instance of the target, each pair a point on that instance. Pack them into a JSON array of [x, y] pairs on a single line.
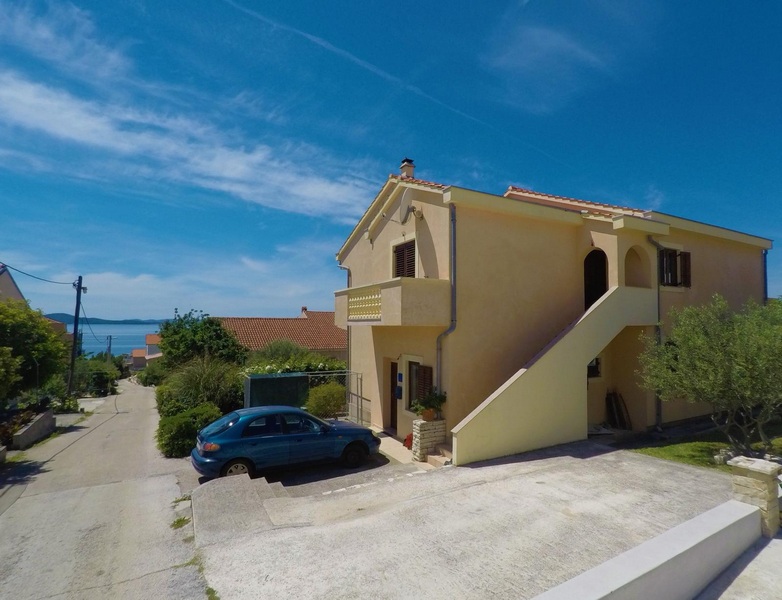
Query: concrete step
[[438, 460], [229, 506], [445, 449], [279, 490]]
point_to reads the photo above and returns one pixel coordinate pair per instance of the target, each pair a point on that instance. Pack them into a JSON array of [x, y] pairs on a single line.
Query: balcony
[[403, 301]]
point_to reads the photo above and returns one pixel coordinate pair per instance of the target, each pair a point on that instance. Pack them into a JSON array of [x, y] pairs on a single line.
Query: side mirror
[[324, 429]]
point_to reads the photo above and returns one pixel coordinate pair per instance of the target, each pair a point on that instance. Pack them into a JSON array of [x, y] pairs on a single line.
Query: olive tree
[[731, 360], [193, 335]]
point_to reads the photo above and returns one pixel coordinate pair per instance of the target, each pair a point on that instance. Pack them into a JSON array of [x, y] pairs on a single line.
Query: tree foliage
[[283, 356], [38, 351], [193, 335], [731, 360], [203, 380], [327, 401], [95, 376]]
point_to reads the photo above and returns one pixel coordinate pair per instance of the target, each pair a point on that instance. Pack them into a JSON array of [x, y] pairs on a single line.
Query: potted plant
[[428, 407]]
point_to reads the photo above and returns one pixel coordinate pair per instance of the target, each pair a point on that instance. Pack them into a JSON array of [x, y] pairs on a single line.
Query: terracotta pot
[[429, 414]]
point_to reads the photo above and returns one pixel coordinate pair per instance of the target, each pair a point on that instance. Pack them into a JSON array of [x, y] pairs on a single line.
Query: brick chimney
[[407, 168]]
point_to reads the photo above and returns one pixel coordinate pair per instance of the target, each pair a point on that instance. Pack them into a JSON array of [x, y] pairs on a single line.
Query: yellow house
[[525, 308]]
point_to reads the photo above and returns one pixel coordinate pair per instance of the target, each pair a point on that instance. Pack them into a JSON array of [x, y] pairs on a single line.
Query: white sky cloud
[[542, 68], [64, 36]]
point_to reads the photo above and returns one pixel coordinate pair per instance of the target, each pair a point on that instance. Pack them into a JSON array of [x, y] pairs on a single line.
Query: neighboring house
[[8, 287], [313, 330], [141, 357], [525, 308], [138, 359], [153, 347]]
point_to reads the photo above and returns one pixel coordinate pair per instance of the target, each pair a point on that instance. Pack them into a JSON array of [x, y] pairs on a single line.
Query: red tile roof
[[397, 177], [138, 352], [573, 204], [314, 330], [152, 339]]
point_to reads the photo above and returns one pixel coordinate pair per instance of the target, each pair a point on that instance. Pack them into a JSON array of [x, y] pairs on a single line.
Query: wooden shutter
[[425, 380], [686, 275], [404, 259]]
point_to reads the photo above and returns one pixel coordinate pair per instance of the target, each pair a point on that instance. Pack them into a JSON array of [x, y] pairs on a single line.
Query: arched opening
[[637, 273], [595, 277]]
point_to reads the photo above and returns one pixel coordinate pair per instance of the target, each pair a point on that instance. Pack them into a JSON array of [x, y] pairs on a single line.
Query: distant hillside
[[68, 319]]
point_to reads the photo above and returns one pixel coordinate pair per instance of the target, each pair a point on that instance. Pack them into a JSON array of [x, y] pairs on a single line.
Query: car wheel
[[238, 467], [354, 455]]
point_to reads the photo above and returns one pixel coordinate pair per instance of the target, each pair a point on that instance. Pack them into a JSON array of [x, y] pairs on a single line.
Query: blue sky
[[215, 154]]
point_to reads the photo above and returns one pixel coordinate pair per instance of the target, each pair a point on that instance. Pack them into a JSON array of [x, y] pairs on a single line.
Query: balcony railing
[[400, 301]]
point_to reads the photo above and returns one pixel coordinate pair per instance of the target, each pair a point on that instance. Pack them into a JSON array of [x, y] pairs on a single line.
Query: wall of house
[[8, 288], [732, 269], [371, 261], [520, 282], [375, 347]]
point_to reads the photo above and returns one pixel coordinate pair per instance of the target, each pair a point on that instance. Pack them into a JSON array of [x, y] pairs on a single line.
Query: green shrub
[[153, 374], [205, 380], [170, 402], [176, 435], [327, 401]]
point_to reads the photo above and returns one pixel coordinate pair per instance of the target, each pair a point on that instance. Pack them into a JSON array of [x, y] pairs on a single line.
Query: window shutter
[[404, 260], [424, 382], [686, 278]]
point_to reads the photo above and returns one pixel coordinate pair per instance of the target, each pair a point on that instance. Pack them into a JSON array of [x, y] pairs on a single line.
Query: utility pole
[[75, 347], [108, 349]]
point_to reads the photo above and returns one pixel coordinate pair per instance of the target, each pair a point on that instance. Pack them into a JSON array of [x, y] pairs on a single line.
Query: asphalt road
[[88, 514]]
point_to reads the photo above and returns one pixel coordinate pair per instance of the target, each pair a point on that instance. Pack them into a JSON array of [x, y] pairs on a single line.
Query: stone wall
[[426, 436], [756, 482], [40, 427]]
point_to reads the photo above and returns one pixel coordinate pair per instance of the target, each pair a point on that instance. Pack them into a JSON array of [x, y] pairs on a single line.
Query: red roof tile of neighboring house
[[152, 339], [138, 352], [312, 329]]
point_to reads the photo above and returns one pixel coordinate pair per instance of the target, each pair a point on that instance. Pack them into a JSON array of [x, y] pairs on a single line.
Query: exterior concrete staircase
[[545, 402]]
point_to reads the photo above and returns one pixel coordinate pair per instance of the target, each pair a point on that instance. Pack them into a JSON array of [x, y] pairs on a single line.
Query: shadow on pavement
[[20, 472], [583, 450], [303, 474]]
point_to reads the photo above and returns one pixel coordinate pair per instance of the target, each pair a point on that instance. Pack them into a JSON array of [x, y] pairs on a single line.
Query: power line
[[7, 266], [87, 320]]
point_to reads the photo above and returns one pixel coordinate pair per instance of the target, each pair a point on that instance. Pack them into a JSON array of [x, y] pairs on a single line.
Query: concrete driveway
[[502, 529], [87, 514]]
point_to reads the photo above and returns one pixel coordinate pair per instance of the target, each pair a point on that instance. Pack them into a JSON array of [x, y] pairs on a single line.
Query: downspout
[[452, 276], [350, 281], [765, 276], [658, 405]]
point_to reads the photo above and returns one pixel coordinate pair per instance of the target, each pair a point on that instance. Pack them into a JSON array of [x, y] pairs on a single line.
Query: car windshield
[[222, 424]]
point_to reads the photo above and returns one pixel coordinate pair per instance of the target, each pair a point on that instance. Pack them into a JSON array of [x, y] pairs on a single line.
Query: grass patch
[[700, 454], [180, 522], [183, 498], [211, 594], [16, 458], [699, 450]]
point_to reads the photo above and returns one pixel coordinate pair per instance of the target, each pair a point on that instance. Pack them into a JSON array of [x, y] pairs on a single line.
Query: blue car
[[253, 439]]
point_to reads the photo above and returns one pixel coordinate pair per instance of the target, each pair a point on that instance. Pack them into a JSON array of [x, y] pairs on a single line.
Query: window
[[594, 368], [404, 259], [419, 382], [295, 423], [266, 425], [674, 268]]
